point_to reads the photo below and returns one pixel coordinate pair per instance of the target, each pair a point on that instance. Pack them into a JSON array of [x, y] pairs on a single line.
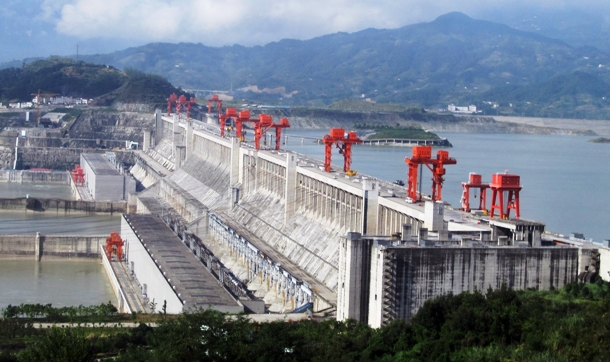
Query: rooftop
[[100, 164], [192, 282]]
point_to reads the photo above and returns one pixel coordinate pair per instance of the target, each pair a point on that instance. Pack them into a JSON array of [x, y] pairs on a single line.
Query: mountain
[[578, 26], [67, 77], [450, 59]]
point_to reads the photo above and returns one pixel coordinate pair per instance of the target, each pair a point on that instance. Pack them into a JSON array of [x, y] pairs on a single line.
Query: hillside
[[67, 77], [572, 95], [449, 60]]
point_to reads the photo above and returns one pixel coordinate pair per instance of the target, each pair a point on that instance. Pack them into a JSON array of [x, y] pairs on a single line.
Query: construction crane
[[474, 182], [422, 155], [38, 95], [344, 143], [222, 119], [501, 183], [215, 99]]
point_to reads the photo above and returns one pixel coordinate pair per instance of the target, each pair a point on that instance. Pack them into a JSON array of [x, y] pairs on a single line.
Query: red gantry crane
[[171, 102], [501, 183], [474, 182], [179, 103], [265, 123], [114, 245], [422, 155], [344, 143], [215, 99], [222, 119], [78, 176], [242, 117]]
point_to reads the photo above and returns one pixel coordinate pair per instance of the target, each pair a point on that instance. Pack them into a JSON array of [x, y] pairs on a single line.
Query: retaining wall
[[51, 246], [64, 206]]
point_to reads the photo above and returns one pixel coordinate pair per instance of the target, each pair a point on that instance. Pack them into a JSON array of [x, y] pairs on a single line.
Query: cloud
[[248, 22]]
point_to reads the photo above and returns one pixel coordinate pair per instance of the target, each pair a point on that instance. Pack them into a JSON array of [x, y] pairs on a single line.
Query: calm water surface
[[61, 283], [13, 190], [565, 179]]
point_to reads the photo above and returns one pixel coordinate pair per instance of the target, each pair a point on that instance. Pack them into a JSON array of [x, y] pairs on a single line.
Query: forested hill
[[66, 77], [453, 59]]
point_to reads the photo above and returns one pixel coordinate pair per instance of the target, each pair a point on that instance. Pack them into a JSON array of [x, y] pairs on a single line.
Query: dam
[[276, 222], [227, 224]]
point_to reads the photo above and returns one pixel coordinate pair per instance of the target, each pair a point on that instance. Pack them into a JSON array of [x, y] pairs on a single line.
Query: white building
[[103, 181], [457, 109]]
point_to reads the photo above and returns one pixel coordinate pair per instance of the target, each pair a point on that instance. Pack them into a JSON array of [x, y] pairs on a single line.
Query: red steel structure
[[501, 183], [422, 155], [114, 245], [242, 117], [78, 175], [216, 100], [222, 119], [344, 143], [265, 123], [179, 102], [189, 104], [171, 102], [474, 182], [260, 128], [284, 123]]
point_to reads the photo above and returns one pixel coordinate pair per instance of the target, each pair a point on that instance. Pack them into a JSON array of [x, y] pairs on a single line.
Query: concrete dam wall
[[281, 206]]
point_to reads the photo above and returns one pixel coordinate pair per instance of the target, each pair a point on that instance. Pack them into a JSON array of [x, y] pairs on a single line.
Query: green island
[[600, 140], [570, 324], [397, 132]]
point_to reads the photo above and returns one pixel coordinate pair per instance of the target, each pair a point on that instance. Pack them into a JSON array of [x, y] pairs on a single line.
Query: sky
[[56, 27]]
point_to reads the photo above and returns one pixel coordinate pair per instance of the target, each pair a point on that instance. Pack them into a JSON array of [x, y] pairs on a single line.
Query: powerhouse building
[[383, 278], [102, 179]]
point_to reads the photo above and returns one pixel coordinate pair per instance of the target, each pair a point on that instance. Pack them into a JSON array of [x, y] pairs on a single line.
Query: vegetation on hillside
[[61, 76], [453, 59], [66, 77], [571, 95], [499, 325]]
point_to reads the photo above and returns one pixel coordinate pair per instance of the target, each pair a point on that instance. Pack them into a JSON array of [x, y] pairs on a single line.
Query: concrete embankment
[[29, 176], [64, 206], [49, 247]]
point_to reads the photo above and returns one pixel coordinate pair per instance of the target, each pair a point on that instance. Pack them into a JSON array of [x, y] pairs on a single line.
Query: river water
[[565, 178], [61, 283]]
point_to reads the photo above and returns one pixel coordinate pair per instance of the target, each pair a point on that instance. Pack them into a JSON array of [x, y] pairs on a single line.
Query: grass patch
[[403, 133]]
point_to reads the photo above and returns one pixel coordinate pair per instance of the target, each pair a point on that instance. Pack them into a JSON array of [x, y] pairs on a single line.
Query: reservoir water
[[61, 283], [565, 178]]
